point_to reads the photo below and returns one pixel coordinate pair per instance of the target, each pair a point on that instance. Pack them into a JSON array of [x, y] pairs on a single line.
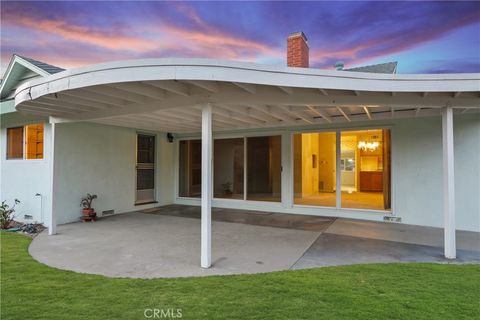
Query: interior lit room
[[364, 164]]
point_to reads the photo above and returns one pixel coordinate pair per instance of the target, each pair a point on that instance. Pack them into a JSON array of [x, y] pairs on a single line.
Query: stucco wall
[[418, 164], [467, 172], [417, 174], [101, 159], [98, 159], [23, 179]]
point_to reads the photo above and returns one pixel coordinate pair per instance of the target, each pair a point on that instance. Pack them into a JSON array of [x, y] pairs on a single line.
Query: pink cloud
[[207, 41], [218, 44], [100, 38]]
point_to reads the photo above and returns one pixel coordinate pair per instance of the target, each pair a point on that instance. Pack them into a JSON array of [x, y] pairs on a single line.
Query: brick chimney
[[297, 50]]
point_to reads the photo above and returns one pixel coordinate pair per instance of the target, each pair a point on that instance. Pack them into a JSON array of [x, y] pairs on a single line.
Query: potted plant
[[86, 203]]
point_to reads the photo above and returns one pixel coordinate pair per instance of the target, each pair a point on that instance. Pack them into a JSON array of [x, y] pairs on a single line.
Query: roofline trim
[[232, 71], [17, 59]]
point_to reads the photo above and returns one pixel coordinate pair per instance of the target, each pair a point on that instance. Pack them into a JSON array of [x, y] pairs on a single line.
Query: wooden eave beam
[[210, 86], [142, 89], [301, 115], [172, 86], [250, 88], [320, 113], [344, 114], [323, 91], [118, 93], [369, 115], [95, 97], [287, 90], [274, 113]]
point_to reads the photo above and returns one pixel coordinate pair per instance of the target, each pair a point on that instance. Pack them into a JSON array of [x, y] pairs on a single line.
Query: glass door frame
[[244, 136], [338, 191]]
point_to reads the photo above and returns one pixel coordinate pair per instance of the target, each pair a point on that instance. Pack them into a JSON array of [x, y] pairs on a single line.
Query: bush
[[7, 214]]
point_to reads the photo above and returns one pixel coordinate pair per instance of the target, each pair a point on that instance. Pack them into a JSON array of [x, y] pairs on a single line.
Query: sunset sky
[[425, 37]]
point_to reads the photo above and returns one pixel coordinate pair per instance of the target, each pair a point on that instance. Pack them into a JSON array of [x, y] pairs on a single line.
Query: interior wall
[[326, 161], [101, 159], [309, 170]]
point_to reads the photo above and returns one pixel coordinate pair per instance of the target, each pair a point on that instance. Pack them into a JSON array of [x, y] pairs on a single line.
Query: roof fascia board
[[24, 63], [201, 69]]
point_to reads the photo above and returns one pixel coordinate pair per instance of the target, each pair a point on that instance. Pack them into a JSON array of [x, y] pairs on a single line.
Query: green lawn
[[30, 290]]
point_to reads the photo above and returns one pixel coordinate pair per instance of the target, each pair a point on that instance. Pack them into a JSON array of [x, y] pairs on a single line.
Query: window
[[15, 143], [263, 168], [25, 142], [364, 160]]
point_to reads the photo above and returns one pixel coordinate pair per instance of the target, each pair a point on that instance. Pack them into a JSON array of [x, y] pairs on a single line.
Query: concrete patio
[[165, 242]]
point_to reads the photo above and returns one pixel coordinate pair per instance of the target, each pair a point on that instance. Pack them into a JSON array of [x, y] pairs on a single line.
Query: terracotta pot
[[87, 212]]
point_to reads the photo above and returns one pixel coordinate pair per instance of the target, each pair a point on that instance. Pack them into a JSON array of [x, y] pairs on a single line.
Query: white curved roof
[[122, 88]]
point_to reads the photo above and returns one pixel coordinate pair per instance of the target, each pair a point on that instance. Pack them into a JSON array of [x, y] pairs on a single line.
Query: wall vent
[[392, 219], [108, 212], [28, 217]]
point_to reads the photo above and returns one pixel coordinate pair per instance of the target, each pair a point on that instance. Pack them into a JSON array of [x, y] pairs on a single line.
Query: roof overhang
[[16, 68], [167, 94]]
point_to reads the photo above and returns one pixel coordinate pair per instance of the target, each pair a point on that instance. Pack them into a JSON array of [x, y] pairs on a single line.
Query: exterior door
[[145, 168]]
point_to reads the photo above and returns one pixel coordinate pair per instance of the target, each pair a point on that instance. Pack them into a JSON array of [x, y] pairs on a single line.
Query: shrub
[[7, 214]]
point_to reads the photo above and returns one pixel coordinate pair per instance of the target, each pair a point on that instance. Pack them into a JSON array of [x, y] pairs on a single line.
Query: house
[[363, 143]]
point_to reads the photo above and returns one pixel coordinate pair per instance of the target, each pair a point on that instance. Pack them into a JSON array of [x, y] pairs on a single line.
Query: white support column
[[52, 222], [207, 188], [448, 183]]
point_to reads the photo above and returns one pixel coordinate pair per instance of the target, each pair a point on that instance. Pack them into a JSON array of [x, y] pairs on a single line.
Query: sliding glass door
[[243, 168], [314, 169], [364, 160], [366, 169], [337, 169]]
